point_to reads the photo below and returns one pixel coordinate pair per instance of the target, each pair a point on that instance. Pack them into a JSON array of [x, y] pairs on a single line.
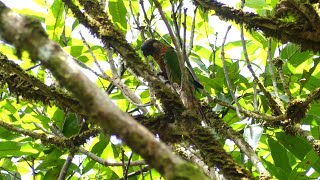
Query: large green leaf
[[12, 148], [294, 144], [118, 12], [279, 156], [55, 20]]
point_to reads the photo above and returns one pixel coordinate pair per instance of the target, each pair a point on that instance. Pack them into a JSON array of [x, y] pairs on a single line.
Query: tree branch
[[28, 34]]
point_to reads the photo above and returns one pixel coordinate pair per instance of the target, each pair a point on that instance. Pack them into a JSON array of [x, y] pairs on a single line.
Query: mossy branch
[[26, 34], [272, 26]]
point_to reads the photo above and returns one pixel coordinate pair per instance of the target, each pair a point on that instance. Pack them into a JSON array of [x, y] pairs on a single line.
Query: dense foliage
[[259, 99]]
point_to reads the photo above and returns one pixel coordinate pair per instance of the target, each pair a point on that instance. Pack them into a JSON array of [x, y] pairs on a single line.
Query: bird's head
[[150, 46]]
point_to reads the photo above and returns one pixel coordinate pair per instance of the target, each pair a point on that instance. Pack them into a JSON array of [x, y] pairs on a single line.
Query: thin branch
[[255, 97], [31, 166], [107, 163], [273, 78], [148, 21], [188, 155], [130, 96], [14, 174], [314, 95], [141, 171], [252, 114], [278, 64], [177, 46], [122, 162], [184, 46], [238, 139], [127, 166], [192, 32], [136, 21], [41, 128], [234, 97], [66, 165], [32, 67], [275, 107], [98, 159], [175, 22], [112, 64], [92, 54], [184, 33], [151, 91]]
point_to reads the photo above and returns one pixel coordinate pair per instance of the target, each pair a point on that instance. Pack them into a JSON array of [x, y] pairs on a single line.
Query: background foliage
[[284, 154]]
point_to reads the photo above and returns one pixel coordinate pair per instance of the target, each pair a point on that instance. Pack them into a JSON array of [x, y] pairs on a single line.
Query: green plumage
[[167, 59], [172, 66]]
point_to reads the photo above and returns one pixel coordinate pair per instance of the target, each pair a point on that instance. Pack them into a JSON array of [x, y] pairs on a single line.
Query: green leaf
[[55, 20], [296, 145], [118, 12], [58, 118], [11, 148], [97, 149], [51, 160], [71, 125], [279, 156], [300, 170], [7, 135], [274, 171]]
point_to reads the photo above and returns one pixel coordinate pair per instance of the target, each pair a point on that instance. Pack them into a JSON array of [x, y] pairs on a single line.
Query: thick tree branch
[[27, 34], [31, 88], [99, 24], [271, 26]]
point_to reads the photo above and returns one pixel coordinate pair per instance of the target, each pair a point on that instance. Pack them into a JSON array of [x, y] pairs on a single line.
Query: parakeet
[[167, 59]]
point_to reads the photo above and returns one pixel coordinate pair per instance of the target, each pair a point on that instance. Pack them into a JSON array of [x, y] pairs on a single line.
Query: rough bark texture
[[30, 36]]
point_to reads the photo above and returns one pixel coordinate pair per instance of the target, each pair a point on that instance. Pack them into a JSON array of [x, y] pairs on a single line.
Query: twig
[[274, 82], [31, 166], [190, 156], [252, 114], [141, 171], [192, 32], [275, 107], [107, 163], [255, 97], [278, 64], [43, 129], [148, 21], [127, 166], [186, 92], [122, 162], [175, 23], [66, 166], [184, 46], [314, 95], [173, 37], [234, 97], [92, 54], [130, 96], [133, 16], [176, 44], [112, 64], [238, 139], [151, 91], [32, 67], [184, 33], [14, 174]]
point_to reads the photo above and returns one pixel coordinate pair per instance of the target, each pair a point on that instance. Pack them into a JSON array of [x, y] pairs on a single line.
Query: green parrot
[[167, 59]]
